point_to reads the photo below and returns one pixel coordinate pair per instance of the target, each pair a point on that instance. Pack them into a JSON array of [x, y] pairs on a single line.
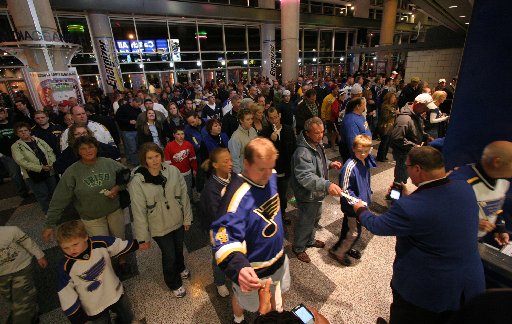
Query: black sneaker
[[354, 253]]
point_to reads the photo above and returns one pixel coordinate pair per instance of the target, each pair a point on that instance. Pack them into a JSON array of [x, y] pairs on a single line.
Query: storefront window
[[310, 40], [339, 41], [185, 36], [210, 38], [235, 38], [75, 30], [254, 39]]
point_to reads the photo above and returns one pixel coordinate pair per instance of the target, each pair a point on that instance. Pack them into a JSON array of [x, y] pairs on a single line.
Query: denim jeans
[[123, 309], [219, 278], [307, 220], [173, 262], [130, 147], [15, 173], [43, 191], [401, 174], [282, 189]]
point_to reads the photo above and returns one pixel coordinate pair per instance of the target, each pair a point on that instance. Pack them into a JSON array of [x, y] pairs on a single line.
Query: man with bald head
[[489, 179], [79, 116]]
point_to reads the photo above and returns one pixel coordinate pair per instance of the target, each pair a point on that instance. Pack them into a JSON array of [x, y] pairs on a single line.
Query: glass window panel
[[325, 43], [255, 55], [134, 81], [316, 8], [339, 41], [160, 66], [219, 1], [212, 65], [6, 33], [151, 29], [122, 29], [83, 59], [310, 39], [216, 56], [278, 38], [242, 3], [254, 39], [235, 38], [237, 55], [80, 36], [186, 65], [254, 63], [87, 69], [189, 56], [213, 40], [237, 63], [130, 68], [185, 33], [328, 9]]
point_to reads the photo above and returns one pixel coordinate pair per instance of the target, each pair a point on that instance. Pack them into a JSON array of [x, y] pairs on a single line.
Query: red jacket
[[181, 156]]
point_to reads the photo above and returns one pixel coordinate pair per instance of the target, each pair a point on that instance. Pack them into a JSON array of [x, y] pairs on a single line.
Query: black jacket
[[230, 123], [285, 144]]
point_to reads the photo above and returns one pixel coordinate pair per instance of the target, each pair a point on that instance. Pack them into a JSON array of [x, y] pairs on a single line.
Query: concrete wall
[[433, 65]]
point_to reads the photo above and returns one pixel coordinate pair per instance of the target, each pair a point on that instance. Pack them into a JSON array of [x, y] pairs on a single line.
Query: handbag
[[122, 178]]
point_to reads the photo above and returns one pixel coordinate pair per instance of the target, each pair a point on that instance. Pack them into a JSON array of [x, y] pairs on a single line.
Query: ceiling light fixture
[[462, 16], [451, 7]]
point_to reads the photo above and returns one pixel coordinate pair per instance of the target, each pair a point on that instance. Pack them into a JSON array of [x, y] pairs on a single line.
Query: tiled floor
[[358, 294]]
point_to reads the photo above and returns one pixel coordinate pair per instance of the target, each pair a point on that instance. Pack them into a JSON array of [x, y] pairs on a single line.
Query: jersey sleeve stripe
[[227, 249], [264, 264], [237, 197]]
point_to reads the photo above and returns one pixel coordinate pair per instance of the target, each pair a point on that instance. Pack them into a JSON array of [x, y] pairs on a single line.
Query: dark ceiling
[[454, 14]]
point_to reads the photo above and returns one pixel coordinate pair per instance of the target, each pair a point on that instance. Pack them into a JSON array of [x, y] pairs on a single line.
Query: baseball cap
[[394, 72], [415, 79], [426, 99], [442, 80], [286, 93]]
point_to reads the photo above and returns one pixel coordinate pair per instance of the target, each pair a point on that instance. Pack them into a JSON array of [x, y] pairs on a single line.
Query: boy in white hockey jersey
[[88, 287]]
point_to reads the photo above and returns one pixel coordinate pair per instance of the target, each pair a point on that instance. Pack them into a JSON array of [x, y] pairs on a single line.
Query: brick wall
[[433, 65]]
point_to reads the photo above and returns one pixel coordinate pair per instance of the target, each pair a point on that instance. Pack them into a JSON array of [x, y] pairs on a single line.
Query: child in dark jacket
[[354, 180]]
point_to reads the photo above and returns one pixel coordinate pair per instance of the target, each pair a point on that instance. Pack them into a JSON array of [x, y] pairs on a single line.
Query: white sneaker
[[185, 274], [180, 292], [223, 291]]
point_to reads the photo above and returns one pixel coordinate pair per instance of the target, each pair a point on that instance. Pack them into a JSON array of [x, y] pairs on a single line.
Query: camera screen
[[394, 194], [303, 314]]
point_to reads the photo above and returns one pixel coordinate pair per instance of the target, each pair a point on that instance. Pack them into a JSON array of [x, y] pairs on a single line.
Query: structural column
[[105, 51], [34, 21], [387, 30], [290, 10], [268, 44]]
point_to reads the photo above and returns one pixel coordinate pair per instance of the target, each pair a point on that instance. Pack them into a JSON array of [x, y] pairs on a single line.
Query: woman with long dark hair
[[151, 130]]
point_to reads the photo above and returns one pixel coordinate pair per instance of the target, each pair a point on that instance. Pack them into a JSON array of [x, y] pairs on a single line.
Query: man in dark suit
[[283, 138], [437, 265]]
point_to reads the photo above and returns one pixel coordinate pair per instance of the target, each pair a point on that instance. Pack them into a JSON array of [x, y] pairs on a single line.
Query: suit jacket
[[437, 261]]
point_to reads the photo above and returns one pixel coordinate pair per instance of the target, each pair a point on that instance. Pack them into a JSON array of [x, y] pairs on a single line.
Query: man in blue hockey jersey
[[248, 236]]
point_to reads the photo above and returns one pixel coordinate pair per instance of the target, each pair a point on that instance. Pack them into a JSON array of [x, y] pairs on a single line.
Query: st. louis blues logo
[[268, 211], [92, 275]]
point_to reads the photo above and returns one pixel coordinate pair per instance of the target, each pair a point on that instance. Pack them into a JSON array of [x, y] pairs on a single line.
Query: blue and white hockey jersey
[[87, 284], [490, 194], [249, 231]]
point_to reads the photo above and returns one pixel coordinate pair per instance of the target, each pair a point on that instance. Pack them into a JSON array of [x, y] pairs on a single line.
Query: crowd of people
[[234, 150]]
